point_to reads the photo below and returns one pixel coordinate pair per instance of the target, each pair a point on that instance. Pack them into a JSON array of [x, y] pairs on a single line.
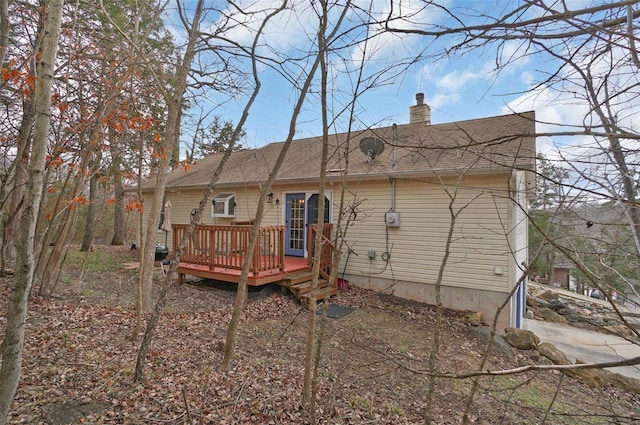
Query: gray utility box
[[392, 218]]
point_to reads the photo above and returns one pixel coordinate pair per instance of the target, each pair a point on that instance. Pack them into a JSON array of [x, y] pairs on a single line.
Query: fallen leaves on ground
[[78, 352]]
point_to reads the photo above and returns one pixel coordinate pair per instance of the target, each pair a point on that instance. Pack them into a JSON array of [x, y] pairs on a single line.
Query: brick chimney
[[420, 112]]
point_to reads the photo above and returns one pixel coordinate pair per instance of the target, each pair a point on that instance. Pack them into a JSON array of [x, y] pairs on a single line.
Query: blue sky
[[457, 87]]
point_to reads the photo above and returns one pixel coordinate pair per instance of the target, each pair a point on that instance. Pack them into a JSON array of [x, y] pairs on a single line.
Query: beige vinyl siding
[[184, 201], [479, 246]]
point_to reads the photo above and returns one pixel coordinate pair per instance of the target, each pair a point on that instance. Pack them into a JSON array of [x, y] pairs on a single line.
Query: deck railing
[[226, 246], [326, 251]]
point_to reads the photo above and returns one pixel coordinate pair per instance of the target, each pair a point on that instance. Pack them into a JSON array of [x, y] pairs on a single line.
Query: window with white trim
[[224, 205]]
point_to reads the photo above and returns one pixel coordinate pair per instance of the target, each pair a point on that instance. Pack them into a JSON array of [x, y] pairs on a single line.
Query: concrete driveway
[[588, 346]]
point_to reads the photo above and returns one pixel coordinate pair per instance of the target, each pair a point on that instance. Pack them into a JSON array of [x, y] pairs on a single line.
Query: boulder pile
[[548, 354], [553, 306]]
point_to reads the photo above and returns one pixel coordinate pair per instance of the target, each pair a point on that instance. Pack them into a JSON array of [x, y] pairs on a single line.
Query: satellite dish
[[371, 147]]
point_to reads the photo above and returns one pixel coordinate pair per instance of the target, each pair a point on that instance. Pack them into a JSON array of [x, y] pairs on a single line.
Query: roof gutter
[[351, 177]]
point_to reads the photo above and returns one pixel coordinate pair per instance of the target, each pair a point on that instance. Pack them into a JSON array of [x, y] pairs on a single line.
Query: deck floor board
[[293, 265]]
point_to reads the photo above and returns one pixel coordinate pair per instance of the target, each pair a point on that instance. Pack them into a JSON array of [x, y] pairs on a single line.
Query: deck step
[[300, 285], [322, 293], [304, 287], [295, 279]]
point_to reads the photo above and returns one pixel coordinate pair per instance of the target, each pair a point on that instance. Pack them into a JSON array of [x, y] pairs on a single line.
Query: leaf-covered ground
[[79, 361]]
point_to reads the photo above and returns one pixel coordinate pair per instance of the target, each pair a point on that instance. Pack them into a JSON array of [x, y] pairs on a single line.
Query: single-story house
[[403, 185]]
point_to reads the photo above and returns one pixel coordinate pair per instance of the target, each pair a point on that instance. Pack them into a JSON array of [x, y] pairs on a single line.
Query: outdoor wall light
[[277, 202], [270, 198]]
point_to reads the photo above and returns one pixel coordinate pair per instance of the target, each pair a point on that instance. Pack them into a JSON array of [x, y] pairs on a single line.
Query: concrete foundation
[[462, 299]]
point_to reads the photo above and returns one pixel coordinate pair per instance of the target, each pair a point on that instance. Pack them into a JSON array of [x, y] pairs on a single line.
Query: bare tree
[[16, 174], [317, 243], [593, 51], [14, 336], [175, 102], [593, 70], [169, 279], [241, 296]]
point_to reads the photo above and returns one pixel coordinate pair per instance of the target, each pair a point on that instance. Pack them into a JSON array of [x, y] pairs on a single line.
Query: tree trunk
[[317, 243], [115, 143], [171, 137], [4, 42], [5, 27], [61, 228], [175, 103], [551, 264], [20, 183], [89, 228], [435, 343], [232, 329], [21, 164], [93, 158], [239, 304], [118, 207], [13, 344], [139, 370], [168, 281], [50, 275]]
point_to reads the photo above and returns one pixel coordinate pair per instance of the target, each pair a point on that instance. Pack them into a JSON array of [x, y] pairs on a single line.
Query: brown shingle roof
[[486, 145]]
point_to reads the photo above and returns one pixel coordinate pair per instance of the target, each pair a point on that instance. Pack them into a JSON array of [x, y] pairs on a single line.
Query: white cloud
[[439, 101], [387, 47], [528, 78], [566, 104], [285, 31], [563, 107], [456, 80]]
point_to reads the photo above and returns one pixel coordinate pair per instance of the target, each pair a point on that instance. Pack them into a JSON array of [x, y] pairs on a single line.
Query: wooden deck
[[218, 253], [292, 266]]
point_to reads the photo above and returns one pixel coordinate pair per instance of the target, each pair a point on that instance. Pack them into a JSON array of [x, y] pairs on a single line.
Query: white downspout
[[394, 139]]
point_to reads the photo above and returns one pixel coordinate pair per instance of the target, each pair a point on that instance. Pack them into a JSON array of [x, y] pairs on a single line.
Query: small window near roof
[[224, 205]]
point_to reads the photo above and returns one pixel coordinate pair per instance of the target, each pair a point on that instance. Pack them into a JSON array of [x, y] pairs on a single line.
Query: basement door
[[300, 210]]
